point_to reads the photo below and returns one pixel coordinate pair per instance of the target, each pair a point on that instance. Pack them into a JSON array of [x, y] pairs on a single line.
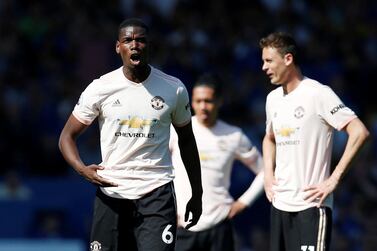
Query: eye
[[141, 40], [127, 40]]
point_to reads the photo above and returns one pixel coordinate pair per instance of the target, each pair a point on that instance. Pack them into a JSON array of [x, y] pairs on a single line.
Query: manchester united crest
[[299, 112], [157, 102], [95, 246]]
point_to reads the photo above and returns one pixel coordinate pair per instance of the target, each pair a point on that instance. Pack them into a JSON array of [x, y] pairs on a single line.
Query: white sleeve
[[249, 155], [173, 141], [87, 108], [253, 160], [332, 109], [254, 191], [182, 113], [269, 128]]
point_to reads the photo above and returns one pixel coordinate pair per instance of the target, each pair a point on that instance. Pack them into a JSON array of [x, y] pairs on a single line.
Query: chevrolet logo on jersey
[[205, 156], [136, 122], [285, 131]]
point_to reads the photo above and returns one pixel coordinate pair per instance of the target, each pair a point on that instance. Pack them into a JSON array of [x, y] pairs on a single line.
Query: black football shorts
[[145, 224], [307, 230]]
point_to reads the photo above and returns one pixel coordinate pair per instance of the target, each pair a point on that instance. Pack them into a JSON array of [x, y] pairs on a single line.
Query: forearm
[[357, 134], [68, 148], [190, 159], [253, 192]]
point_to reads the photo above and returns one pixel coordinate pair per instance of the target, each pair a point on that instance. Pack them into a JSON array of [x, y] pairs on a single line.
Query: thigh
[[156, 220], [107, 234], [104, 232], [306, 230], [315, 226], [276, 230], [222, 237]]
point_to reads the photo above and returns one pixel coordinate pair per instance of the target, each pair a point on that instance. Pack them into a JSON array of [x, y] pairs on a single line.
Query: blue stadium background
[[50, 50]]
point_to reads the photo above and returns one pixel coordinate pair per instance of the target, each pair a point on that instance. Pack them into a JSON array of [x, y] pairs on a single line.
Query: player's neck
[[293, 81], [137, 74]]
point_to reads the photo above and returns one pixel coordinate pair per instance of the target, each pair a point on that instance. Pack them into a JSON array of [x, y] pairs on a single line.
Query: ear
[[288, 59], [117, 47]]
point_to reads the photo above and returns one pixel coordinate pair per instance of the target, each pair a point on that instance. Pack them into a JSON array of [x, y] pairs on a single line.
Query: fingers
[[231, 214], [191, 220], [320, 203], [96, 179], [99, 167], [315, 195], [189, 225], [268, 188], [104, 182], [192, 223], [269, 194], [312, 197], [310, 188], [269, 198]]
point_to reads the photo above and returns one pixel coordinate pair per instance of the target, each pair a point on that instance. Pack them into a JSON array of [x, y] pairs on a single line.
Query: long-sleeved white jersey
[[218, 147]]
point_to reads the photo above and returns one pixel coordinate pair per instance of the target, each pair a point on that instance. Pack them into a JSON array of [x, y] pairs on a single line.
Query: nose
[[133, 43], [202, 106], [264, 67]]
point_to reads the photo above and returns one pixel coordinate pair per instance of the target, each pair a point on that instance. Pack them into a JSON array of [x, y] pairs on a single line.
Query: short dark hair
[[133, 22], [283, 42], [213, 81]]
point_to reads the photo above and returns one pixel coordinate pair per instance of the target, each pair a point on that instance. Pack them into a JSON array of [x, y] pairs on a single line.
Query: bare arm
[[357, 134], [269, 154], [190, 159], [68, 147]]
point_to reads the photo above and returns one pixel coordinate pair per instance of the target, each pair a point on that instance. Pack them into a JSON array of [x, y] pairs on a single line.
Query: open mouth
[[135, 58]]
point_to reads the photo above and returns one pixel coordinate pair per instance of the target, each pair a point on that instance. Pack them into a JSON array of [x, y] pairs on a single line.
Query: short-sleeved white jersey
[[218, 147], [302, 123], [134, 121]]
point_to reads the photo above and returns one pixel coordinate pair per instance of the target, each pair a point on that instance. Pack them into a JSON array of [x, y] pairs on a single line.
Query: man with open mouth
[[135, 105]]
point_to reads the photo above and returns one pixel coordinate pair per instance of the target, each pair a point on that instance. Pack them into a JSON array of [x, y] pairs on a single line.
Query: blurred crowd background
[[51, 50]]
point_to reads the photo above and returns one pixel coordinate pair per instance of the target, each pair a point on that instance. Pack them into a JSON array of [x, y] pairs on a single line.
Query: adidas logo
[[117, 103]]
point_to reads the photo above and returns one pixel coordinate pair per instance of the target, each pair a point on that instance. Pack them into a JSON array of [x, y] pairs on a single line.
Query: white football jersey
[[134, 121], [302, 123], [218, 147]]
